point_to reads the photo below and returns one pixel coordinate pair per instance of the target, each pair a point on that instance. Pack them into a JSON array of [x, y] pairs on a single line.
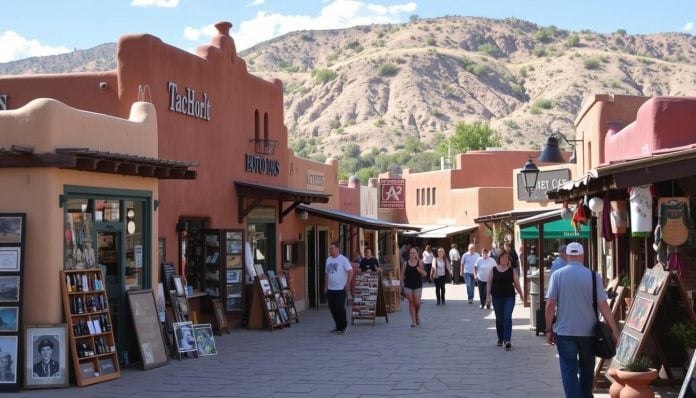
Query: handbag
[[603, 345]]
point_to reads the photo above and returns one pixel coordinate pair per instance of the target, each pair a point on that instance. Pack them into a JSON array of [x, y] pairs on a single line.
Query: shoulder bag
[[603, 345]]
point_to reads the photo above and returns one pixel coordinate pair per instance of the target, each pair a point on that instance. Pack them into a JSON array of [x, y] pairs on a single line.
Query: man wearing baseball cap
[[47, 366], [561, 260], [569, 298]]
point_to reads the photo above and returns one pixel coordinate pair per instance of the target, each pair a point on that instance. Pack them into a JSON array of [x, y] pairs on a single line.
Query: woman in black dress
[[412, 277]]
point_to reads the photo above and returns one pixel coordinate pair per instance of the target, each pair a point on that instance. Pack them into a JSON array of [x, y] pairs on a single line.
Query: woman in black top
[[412, 277], [369, 262], [502, 283]]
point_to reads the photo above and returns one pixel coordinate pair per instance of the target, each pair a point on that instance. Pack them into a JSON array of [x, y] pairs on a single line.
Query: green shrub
[[352, 45], [307, 37], [539, 52], [591, 63], [388, 70], [573, 41], [336, 123], [380, 123], [543, 103], [324, 75], [542, 35], [641, 364], [685, 334], [431, 41], [477, 69], [490, 50], [621, 32]]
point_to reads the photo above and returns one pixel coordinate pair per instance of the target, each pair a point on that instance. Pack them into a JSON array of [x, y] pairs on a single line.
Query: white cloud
[[155, 3], [256, 3], [194, 34], [688, 27], [14, 46]]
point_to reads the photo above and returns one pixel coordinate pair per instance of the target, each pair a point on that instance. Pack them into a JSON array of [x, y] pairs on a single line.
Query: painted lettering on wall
[[3, 102], [187, 103], [261, 165], [315, 180]]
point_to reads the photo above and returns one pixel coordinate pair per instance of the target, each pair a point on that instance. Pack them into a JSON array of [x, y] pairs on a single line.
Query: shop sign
[[315, 180], [548, 179], [187, 104], [261, 165], [392, 193], [3, 102]]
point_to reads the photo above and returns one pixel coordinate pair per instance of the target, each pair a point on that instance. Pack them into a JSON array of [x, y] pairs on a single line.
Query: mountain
[[377, 85], [96, 59]]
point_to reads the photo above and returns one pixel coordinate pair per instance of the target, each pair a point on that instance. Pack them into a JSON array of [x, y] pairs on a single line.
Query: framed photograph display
[[9, 288], [178, 284], [220, 316], [205, 342], [147, 328], [233, 276], [8, 319], [185, 339], [10, 259], [11, 228], [182, 303], [8, 360], [640, 312], [45, 356], [626, 349]]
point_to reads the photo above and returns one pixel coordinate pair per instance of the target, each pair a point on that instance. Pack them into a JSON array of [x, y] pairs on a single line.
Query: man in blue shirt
[[570, 291], [561, 260]]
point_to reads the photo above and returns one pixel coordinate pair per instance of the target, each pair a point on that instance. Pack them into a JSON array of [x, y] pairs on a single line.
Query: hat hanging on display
[[596, 205]]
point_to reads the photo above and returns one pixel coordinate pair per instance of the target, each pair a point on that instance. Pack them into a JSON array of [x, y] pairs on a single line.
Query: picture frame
[[283, 281], [146, 323], [626, 349], [205, 341], [9, 319], [233, 276], [182, 303], [178, 285], [259, 270], [8, 353], [55, 372], [220, 316], [185, 339], [640, 312], [234, 247], [10, 229], [9, 289], [647, 282], [233, 235], [265, 286], [10, 259]]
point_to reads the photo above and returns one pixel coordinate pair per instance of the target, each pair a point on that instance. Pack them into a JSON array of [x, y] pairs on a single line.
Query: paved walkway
[[452, 354]]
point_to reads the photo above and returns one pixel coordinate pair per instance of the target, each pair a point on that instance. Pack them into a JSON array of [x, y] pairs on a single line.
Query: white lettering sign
[[315, 180], [187, 103], [3, 102]]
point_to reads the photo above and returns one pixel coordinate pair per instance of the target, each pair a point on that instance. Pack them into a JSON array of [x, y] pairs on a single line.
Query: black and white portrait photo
[[46, 356]]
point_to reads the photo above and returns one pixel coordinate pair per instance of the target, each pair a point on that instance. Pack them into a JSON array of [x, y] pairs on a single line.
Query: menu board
[[147, 328]]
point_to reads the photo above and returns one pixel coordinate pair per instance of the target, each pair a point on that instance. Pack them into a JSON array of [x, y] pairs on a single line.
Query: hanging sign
[[548, 179], [392, 193]]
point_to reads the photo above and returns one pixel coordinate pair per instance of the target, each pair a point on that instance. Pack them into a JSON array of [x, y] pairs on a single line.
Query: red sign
[[392, 193]]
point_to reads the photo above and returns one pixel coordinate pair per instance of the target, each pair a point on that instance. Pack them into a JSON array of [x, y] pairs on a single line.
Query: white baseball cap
[[574, 249]]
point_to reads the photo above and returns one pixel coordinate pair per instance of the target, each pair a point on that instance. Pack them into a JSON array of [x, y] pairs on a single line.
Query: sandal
[[413, 325], [418, 321]]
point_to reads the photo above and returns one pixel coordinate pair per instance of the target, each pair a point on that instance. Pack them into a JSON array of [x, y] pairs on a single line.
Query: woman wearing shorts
[[413, 273]]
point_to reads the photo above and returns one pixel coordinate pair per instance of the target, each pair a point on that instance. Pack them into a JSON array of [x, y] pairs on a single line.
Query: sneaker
[[471, 301], [481, 306], [499, 343], [508, 346], [336, 331], [343, 331]]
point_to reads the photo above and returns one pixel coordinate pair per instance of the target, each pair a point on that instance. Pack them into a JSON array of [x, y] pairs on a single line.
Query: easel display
[[659, 304], [92, 342], [288, 297], [175, 298], [368, 298], [269, 309]]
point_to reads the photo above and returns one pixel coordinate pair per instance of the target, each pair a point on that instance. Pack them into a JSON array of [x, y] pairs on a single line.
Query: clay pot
[[617, 385], [637, 384]]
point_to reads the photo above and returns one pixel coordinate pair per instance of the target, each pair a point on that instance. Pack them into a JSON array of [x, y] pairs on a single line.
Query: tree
[[472, 137], [412, 145]]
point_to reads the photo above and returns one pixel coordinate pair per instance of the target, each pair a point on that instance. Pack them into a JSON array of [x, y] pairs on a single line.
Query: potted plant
[[685, 333], [637, 376]]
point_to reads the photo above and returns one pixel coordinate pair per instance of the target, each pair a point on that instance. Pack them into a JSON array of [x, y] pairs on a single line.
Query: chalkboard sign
[[167, 277], [147, 328]]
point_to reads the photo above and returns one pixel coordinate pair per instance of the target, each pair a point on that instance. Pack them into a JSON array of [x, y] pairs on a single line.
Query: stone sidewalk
[[452, 354]]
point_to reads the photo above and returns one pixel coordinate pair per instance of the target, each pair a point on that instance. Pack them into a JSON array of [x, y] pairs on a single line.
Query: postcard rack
[[368, 298], [269, 309], [92, 342]]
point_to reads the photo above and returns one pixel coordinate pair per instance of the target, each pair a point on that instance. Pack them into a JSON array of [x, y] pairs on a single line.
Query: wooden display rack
[[289, 298], [660, 302], [93, 347], [368, 298], [267, 307]]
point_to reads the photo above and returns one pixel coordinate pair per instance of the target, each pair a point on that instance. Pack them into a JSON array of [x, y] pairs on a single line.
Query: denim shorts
[[416, 292]]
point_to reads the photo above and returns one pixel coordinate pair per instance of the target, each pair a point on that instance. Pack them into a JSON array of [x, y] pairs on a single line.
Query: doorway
[[317, 253]]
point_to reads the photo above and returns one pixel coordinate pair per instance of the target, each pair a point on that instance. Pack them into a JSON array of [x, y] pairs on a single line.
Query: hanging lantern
[[596, 205], [566, 213]]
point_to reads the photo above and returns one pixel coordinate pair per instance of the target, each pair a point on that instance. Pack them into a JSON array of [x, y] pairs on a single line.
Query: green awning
[[559, 229]]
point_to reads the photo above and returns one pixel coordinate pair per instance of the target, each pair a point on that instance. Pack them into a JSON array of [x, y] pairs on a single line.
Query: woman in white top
[[428, 263], [439, 272]]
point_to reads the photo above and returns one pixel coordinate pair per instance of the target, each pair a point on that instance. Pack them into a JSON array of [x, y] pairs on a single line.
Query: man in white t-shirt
[[468, 262], [482, 269], [454, 260], [339, 272]]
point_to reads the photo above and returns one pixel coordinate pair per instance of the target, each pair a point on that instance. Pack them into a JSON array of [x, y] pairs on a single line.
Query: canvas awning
[[558, 229], [446, 232], [354, 219], [259, 192]]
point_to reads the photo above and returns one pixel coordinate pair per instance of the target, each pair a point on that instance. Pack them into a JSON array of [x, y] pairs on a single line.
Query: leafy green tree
[[412, 145], [472, 137]]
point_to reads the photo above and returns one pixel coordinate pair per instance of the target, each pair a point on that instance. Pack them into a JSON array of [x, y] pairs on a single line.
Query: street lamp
[[530, 173], [552, 153]]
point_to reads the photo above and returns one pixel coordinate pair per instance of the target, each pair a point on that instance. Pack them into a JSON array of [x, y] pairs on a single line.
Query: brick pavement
[[452, 354]]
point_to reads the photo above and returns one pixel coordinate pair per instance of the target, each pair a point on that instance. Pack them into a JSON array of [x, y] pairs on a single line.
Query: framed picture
[[626, 349], [234, 275], [9, 288], [265, 286], [283, 281], [10, 229], [185, 340], [234, 261], [220, 316], [147, 328], [161, 249], [234, 246], [8, 319], [233, 236], [45, 356], [259, 270], [640, 312], [10, 259], [8, 360], [179, 285], [182, 302], [205, 342]]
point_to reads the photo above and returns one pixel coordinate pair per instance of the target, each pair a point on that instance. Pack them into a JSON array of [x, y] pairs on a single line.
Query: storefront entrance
[[317, 253]]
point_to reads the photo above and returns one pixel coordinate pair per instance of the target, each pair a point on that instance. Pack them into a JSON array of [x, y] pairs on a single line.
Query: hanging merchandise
[[605, 224], [676, 225], [619, 217], [641, 199], [596, 205], [566, 213], [579, 216], [675, 262]]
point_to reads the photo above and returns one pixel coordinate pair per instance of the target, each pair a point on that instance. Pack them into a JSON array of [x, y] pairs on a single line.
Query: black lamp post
[[552, 153], [530, 173]]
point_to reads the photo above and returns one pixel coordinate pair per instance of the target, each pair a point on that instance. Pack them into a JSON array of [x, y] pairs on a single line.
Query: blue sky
[[44, 27]]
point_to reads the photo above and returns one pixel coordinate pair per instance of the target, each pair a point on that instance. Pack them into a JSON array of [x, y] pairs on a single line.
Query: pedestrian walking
[[412, 278], [514, 257], [428, 257], [339, 273], [368, 262], [561, 260], [501, 286], [455, 258], [439, 274], [467, 270], [570, 299], [482, 270]]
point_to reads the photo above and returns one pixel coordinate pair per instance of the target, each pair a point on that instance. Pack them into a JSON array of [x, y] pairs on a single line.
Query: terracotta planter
[[617, 385], [637, 384]]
